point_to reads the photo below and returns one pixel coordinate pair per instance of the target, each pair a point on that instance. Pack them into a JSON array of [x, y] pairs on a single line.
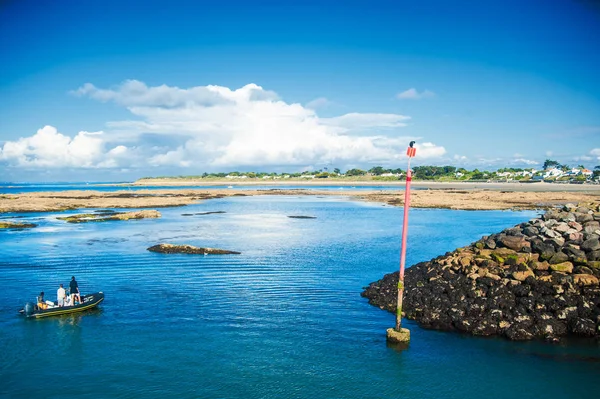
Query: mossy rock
[[558, 257], [485, 253], [104, 217], [512, 259], [594, 264], [504, 252], [497, 258], [16, 225], [564, 267]]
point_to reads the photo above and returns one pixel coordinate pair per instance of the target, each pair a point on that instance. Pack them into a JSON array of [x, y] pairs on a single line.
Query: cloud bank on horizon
[[217, 127]]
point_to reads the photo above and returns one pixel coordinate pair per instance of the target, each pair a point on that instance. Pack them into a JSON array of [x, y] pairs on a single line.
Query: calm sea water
[[283, 319]]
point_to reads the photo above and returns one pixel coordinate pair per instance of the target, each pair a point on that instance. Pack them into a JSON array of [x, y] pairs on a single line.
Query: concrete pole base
[[402, 336]]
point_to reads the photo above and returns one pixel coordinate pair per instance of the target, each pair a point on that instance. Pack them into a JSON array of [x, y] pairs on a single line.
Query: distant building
[[524, 173], [554, 172]]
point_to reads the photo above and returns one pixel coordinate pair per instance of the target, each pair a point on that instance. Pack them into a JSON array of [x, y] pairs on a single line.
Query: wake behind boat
[[87, 302]]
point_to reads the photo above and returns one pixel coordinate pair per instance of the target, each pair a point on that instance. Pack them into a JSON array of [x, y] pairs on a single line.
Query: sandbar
[[459, 195]]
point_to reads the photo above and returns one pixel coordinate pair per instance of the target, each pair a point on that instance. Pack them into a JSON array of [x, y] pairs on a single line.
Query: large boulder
[[516, 243], [522, 275], [591, 244], [564, 267], [585, 279], [558, 257]]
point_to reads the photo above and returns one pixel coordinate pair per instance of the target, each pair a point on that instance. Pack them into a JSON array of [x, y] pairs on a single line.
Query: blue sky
[[99, 90]]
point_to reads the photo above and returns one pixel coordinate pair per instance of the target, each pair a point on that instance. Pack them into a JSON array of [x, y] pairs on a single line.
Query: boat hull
[[88, 302]]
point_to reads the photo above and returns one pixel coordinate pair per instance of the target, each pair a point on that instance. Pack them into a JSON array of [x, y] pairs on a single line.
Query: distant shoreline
[[463, 185]]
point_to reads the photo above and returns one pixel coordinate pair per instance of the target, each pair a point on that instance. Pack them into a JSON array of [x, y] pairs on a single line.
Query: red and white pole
[[410, 152]]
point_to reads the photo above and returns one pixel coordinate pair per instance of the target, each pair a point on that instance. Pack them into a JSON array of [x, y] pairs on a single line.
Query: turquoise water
[[283, 319]]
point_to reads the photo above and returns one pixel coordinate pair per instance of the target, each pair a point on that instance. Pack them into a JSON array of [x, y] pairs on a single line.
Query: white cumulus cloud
[[525, 161], [413, 94], [250, 126], [50, 149], [211, 126]]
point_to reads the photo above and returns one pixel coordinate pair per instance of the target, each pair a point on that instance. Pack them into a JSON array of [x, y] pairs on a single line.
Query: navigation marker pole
[[399, 334]]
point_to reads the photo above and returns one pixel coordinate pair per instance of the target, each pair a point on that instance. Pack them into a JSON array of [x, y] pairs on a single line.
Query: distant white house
[[390, 174], [459, 174], [587, 172], [554, 172], [266, 177], [524, 173]]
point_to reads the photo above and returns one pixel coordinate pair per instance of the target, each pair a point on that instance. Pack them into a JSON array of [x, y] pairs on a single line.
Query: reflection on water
[[283, 319]]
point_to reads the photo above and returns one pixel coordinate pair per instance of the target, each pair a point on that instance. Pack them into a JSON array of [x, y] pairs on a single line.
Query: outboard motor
[[29, 308]]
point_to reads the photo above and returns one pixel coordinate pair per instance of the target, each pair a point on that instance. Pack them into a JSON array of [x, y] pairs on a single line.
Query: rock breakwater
[[539, 279]]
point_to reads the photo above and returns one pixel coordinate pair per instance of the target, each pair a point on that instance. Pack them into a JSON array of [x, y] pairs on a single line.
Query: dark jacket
[[74, 289]]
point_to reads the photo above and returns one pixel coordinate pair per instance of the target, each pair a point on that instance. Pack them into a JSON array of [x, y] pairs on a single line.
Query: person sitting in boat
[[41, 303], [60, 296], [67, 301], [74, 291]]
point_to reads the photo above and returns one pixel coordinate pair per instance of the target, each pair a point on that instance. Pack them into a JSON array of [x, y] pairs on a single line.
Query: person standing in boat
[[60, 296], [74, 291]]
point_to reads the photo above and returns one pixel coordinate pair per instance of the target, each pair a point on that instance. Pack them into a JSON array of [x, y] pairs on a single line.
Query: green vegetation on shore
[[553, 171]]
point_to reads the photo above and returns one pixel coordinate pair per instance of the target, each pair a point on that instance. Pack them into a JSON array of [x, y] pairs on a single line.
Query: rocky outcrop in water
[[105, 216], [539, 279], [189, 249], [202, 213], [16, 225]]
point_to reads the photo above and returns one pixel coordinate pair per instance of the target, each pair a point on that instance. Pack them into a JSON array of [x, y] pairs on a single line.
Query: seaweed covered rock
[[16, 225], [539, 279], [105, 216], [189, 249]]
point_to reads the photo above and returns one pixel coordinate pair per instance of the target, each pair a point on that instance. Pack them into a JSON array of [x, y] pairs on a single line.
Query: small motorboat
[[87, 302]]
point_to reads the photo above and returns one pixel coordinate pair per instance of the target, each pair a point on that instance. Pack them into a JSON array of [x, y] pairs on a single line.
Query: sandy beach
[[466, 196]]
